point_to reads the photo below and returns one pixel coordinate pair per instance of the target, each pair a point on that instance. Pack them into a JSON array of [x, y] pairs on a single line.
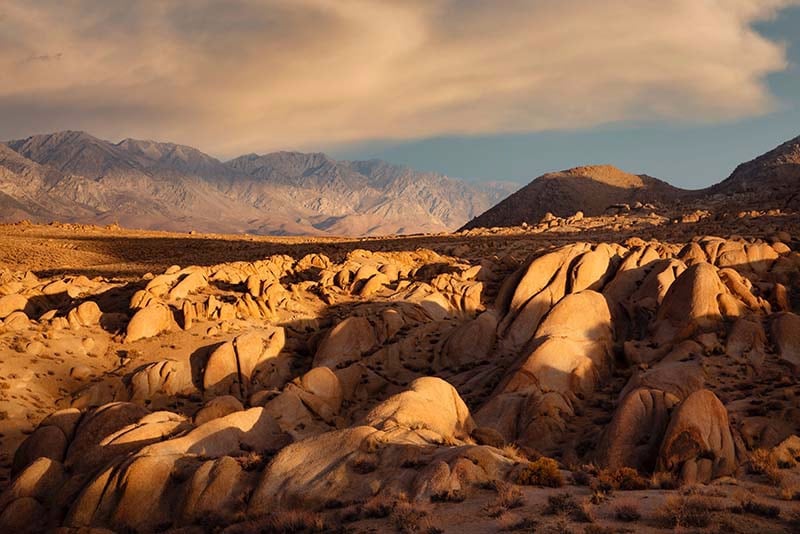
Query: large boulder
[[346, 343], [316, 470], [786, 336], [232, 367], [149, 321], [571, 354], [190, 283], [691, 305], [217, 492], [86, 314], [47, 441], [11, 303], [140, 491], [164, 379], [698, 445], [86, 451], [25, 505], [431, 404], [470, 343], [543, 284], [634, 436]]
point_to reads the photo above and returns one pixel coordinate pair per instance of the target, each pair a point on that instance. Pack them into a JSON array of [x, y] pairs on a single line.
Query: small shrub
[[542, 472], [601, 489], [560, 504], [629, 479], [408, 517], [378, 507], [564, 504], [624, 478], [627, 511], [598, 497], [692, 511], [252, 461]]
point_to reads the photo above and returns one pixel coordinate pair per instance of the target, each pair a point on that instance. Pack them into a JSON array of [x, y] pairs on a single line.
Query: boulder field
[[211, 395]]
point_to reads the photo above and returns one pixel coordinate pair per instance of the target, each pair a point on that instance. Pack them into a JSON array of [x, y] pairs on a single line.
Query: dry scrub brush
[[627, 510], [509, 496], [564, 504], [688, 511], [541, 472]]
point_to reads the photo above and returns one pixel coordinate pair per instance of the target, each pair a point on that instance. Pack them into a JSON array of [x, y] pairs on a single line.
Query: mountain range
[[72, 176]]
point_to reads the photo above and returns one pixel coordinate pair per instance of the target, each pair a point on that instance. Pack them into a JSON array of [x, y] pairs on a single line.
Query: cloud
[[247, 75]]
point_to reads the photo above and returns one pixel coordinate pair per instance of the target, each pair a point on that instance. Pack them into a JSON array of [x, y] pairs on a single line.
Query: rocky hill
[[589, 189], [151, 185], [769, 181], [773, 177]]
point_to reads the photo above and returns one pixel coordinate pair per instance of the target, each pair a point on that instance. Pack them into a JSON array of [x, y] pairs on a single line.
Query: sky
[[504, 90]]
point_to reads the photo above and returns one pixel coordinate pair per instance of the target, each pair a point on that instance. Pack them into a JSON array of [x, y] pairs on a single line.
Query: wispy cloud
[[248, 75]]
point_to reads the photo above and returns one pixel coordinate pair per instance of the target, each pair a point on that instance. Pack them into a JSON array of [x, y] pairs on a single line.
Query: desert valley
[[599, 352]]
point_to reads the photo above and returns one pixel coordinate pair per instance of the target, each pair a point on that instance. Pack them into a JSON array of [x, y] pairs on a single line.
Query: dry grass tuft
[[627, 510], [512, 452], [283, 522], [378, 507], [508, 497], [664, 480], [750, 505]]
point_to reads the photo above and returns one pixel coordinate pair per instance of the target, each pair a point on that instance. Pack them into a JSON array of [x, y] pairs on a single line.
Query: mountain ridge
[[161, 185]]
